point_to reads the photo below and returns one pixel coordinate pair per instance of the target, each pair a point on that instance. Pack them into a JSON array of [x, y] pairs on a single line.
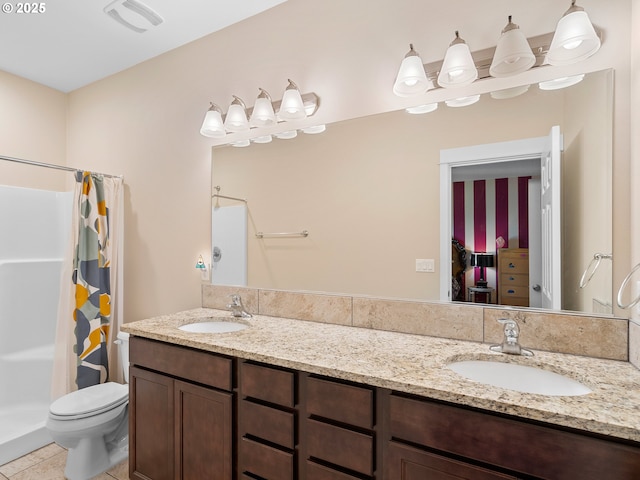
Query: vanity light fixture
[[236, 120], [420, 109], [562, 82], [240, 143], [575, 39], [458, 68], [513, 53], [213, 126], [292, 106], [239, 118], [263, 113], [411, 79]]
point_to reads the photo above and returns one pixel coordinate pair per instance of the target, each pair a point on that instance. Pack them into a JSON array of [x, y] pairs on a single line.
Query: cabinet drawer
[[264, 461], [319, 472], [408, 463], [340, 446], [514, 291], [343, 403], [268, 384], [515, 301], [267, 423], [514, 265], [195, 365], [517, 280], [541, 451]]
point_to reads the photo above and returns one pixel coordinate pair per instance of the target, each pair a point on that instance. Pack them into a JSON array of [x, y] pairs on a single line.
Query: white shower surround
[[35, 225]]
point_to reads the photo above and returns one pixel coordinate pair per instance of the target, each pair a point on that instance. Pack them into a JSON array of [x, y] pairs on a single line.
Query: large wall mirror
[[367, 191]]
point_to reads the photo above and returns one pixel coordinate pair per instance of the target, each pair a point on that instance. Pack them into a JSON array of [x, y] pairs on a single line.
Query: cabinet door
[[408, 463], [203, 423], [151, 426]]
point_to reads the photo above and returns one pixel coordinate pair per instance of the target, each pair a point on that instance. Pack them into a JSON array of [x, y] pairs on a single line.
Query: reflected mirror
[[368, 192]]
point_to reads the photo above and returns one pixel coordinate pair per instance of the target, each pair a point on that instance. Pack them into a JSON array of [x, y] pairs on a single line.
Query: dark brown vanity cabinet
[[431, 440], [197, 415], [180, 413]]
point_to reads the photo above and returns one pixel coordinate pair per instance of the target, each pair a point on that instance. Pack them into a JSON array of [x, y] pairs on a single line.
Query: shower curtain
[[88, 313]]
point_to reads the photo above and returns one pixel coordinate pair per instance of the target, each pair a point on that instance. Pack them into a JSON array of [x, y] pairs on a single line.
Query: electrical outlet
[[425, 265]]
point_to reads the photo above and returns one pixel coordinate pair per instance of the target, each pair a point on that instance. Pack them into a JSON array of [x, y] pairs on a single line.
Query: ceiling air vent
[[133, 14]]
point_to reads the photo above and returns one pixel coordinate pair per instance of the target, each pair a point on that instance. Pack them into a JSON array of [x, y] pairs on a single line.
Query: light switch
[[427, 265]]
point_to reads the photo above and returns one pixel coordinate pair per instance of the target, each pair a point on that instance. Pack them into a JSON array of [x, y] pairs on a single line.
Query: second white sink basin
[[214, 326], [517, 377]]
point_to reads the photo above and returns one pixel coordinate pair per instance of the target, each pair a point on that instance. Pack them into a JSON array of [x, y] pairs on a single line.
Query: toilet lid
[[91, 400]]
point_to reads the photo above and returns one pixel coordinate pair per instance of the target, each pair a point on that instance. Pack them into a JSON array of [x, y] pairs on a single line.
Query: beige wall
[[143, 122], [33, 125]]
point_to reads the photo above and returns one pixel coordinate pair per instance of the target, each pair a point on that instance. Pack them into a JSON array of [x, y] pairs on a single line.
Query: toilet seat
[[89, 401]]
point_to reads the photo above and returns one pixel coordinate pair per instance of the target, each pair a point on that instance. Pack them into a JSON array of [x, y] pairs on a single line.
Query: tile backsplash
[[587, 335]]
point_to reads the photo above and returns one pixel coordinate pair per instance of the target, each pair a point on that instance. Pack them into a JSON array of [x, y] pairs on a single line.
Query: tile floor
[[47, 463]]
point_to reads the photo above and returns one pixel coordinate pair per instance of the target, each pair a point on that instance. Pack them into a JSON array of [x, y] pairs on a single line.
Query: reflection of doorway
[[477, 169], [496, 207]]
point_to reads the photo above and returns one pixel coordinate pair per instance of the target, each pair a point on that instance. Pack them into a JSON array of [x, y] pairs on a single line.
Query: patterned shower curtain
[[91, 277], [87, 320]]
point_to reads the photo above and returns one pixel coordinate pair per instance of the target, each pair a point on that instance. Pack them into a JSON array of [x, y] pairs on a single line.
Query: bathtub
[[29, 290]]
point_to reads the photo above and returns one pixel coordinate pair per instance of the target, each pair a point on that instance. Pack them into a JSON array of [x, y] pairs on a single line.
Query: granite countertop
[[416, 364]]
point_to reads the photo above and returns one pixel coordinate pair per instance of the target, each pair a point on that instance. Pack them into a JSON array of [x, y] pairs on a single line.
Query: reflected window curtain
[[88, 318]]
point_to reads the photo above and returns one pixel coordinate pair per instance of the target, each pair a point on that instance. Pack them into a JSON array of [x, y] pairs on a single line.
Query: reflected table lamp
[[482, 260]]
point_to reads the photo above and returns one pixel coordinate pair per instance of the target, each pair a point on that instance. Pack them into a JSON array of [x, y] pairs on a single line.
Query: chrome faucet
[[510, 343], [236, 307]]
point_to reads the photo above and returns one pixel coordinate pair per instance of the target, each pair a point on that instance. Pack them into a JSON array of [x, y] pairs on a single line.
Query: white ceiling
[[74, 43]]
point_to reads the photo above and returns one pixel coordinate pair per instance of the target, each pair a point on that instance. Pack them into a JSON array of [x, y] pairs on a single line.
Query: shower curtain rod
[[51, 165]]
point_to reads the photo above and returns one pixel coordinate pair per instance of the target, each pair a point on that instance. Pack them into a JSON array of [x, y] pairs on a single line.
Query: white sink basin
[[213, 326], [519, 377]]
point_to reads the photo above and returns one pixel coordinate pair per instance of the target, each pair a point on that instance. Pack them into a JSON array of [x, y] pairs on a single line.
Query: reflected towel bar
[[217, 195], [626, 280], [593, 266], [304, 233]]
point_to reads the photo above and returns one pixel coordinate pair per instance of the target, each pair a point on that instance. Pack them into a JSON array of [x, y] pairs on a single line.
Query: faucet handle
[[511, 328], [510, 343]]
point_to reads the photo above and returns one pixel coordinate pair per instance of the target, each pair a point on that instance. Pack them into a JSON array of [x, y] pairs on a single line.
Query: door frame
[[525, 149]]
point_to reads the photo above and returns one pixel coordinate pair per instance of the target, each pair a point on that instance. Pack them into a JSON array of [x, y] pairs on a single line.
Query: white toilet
[[93, 424]]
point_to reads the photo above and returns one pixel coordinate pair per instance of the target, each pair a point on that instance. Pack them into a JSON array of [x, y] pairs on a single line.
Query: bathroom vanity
[[289, 399]]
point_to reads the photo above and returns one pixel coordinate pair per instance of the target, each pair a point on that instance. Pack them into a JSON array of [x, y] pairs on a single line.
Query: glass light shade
[[420, 109], [240, 143], [288, 135], [458, 68], [314, 129], [263, 114], [462, 101], [562, 82], [212, 125], [575, 39], [411, 79], [509, 92], [292, 106], [513, 53], [236, 120], [262, 139]]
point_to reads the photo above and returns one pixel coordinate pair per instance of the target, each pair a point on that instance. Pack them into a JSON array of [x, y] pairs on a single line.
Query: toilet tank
[[123, 349]]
